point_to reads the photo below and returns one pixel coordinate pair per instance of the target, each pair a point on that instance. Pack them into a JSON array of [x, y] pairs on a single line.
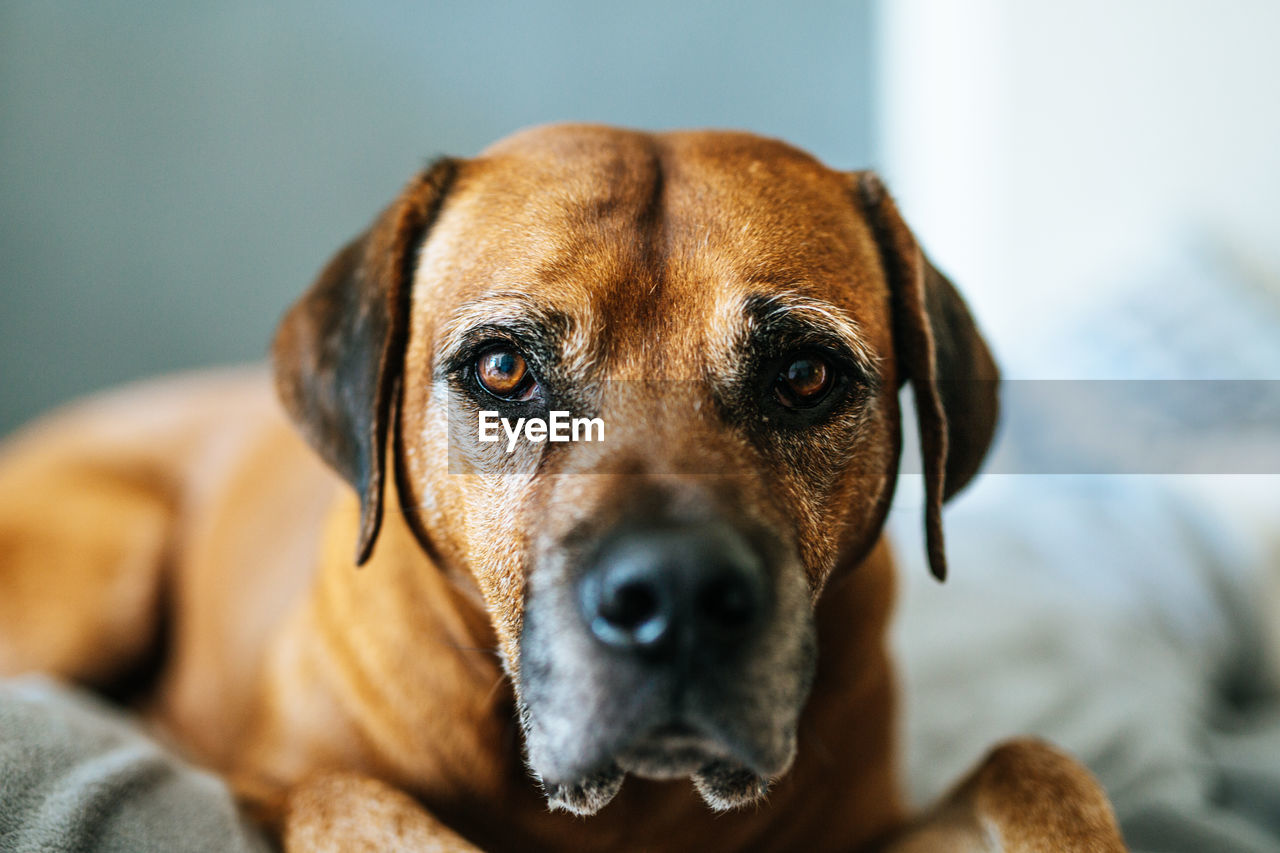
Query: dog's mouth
[[672, 751], [718, 770]]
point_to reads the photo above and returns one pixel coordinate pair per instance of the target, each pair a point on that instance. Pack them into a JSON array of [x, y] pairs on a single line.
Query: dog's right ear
[[339, 350]]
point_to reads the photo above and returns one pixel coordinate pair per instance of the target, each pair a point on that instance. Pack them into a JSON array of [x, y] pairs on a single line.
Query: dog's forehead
[[623, 225]]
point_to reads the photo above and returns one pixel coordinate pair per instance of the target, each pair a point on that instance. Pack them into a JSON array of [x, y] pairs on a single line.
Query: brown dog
[[702, 595]]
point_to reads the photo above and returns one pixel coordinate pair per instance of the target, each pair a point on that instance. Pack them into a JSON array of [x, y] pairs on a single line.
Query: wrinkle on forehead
[[569, 229], [750, 210], [567, 183]]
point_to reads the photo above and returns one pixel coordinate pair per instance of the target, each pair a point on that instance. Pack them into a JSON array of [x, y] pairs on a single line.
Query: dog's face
[[738, 318]]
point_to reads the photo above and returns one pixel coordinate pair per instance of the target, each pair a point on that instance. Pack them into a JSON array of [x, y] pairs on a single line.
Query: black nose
[[659, 590]]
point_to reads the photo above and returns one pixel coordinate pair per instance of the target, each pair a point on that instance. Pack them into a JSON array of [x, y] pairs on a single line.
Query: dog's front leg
[[352, 813], [1026, 797]]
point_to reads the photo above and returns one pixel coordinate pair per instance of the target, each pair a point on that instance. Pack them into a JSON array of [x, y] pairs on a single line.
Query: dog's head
[[739, 319]]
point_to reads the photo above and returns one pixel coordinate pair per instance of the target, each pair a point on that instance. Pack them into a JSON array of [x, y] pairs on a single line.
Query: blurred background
[[172, 175], [1101, 179]]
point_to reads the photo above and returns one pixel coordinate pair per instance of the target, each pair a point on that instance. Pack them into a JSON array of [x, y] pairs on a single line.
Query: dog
[[390, 634]]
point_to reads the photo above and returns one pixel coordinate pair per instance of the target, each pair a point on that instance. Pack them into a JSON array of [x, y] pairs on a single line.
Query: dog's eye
[[804, 381], [503, 373]]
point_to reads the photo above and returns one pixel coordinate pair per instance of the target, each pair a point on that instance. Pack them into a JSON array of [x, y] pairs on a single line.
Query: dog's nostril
[[630, 606], [728, 603], [628, 612]]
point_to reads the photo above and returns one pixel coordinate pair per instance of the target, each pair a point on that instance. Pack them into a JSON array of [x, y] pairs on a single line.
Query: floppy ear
[[338, 351], [941, 352]]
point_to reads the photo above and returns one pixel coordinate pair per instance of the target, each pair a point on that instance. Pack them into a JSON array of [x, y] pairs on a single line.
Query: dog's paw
[[342, 812]]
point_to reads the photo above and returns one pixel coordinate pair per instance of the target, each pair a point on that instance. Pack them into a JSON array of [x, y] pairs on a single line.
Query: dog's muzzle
[[673, 651]]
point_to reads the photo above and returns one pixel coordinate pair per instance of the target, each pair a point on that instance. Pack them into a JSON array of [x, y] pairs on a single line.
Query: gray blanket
[[77, 776], [1122, 618]]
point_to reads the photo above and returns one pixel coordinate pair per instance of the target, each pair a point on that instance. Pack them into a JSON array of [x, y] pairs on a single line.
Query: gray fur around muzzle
[[668, 652]]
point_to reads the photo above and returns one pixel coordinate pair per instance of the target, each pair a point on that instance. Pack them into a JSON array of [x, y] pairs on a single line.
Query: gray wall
[[170, 177]]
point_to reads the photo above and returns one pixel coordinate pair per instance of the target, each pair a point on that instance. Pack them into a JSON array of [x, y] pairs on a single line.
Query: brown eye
[[503, 373], [804, 381]]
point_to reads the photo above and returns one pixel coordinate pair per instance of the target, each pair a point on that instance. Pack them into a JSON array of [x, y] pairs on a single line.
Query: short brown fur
[[370, 708]]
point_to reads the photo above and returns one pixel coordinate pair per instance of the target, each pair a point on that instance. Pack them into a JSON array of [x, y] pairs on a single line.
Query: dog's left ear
[[339, 350], [942, 353]]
